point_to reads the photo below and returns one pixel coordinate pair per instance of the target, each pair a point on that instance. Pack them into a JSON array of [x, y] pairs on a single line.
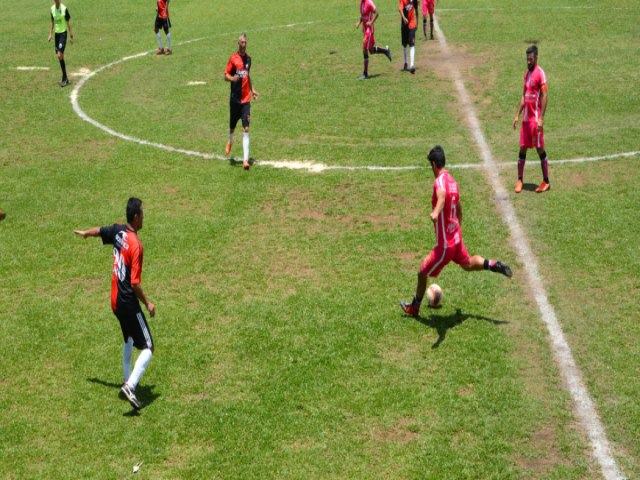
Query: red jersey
[[409, 12], [367, 7], [240, 65], [127, 264], [534, 82], [163, 8], [448, 232]]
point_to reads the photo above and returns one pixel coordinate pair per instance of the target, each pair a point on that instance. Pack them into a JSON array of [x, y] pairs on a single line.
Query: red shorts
[[427, 7], [369, 40], [440, 257], [530, 137]]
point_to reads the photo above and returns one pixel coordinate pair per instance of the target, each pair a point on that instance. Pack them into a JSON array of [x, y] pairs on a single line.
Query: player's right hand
[[515, 123], [152, 309]]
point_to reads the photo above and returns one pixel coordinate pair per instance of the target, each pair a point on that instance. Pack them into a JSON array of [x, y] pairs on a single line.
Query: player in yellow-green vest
[[60, 24]]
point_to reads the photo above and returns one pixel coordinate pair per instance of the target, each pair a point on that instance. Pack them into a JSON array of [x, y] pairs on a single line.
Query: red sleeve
[[230, 66], [136, 263]]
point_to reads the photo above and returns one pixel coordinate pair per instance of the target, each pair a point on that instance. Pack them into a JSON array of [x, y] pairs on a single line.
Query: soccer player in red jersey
[[163, 22], [242, 92], [407, 9], [368, 16], [446, 216], [428, 8], [534, 104], [126, 293]]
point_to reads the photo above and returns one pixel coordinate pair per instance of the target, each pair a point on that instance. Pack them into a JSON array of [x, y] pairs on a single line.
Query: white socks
[[127, 350], [412, 54], [245, 145], [159, 39], [168, 40], [141, 365]]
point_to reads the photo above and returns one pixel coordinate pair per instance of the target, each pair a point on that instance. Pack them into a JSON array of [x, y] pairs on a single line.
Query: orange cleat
[[246, 165], [410, 308], [168, 52], [544, 186], [160, 51], [228, 149], [518, 186]]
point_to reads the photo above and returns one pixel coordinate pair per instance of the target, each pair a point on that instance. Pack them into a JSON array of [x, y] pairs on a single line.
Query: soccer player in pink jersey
[[368, 16], [428, 8], [446, 216], [534, 104]]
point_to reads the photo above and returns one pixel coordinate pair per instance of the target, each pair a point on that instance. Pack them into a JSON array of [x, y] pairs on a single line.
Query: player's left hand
[[540, 124], [71, 39], [255, 95], [434, 218]]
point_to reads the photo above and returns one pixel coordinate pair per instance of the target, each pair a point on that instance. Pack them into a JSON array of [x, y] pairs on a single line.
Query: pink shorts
[[427, 7], [369, 40], [530, 137], [440, 257]]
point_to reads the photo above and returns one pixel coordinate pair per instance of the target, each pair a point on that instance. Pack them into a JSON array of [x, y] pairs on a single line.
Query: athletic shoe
[[2, 215], [388, 52], [364, 76], [518, 186], [432, 36], [131, 396], [410, 308], [502, 268], [246, 165], [228, 149], [121, 394], [64, 82], [168, 52], [160, 51], [412, 70], [404, 68], [544, 186]]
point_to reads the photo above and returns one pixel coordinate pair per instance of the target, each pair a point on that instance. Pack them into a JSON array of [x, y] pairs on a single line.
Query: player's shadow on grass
[[443, 323], [529, 187], [144, 393], [237, 162]]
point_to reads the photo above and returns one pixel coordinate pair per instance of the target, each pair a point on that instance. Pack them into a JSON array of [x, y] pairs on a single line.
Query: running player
[[242, 92], [408, 30], [126, 290], [60, 25], [447, 218], [163, 22], [428, 8], [368, 16], [534, 103]]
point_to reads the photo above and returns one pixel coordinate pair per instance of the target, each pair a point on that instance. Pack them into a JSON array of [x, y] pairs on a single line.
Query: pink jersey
[[533, 83], [448, 233], [367, 7]]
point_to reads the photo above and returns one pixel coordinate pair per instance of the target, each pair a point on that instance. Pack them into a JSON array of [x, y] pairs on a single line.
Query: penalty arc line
[[583, 404]]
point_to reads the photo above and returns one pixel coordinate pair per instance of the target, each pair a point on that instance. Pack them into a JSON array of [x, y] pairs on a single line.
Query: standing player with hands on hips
[[446, 216], [127, 293]]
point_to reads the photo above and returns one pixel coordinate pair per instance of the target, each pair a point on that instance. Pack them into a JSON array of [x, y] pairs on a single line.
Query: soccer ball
[[434, 295]]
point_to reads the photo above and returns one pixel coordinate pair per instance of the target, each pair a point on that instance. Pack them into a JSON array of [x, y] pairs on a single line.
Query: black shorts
[[408, 36], [61, 41], [163, 23], [239, 111], [134, 325]]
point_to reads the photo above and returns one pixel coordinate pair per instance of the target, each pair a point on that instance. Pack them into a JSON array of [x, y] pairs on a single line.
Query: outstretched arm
[[92, 232]]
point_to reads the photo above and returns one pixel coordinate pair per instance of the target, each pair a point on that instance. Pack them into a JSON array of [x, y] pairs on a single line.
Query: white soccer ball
[[434, 295]]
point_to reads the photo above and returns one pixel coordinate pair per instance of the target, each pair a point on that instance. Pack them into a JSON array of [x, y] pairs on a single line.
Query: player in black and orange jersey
[[408, 26], [163, 22], [242, 92], [126, 293]]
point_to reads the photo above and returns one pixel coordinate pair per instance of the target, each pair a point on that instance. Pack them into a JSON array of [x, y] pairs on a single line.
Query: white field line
[[583, 405], [26, 69]]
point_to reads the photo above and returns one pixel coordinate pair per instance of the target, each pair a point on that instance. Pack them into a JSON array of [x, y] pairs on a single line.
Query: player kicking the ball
[[126, 292], [368, 16], [447, 218]]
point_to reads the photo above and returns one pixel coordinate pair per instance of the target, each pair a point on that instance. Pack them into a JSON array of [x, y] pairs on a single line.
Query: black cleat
[[412, 70], [131, 396], [388, 52], [405, 68], [502, 268], [64, 82]]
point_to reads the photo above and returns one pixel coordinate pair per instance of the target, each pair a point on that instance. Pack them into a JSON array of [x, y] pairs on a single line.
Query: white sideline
[[583, 405]]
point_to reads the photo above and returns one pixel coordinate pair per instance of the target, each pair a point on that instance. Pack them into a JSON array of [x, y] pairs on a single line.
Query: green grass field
[[281, 351]]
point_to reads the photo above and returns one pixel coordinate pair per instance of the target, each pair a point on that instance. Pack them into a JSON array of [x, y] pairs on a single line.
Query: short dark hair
[[134, 207], [436, 155], [532, 49]]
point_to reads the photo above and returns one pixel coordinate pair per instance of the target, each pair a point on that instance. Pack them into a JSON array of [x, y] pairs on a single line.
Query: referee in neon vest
[[60, 24]]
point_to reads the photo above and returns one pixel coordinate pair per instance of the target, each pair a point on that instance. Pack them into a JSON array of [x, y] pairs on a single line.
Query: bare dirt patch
[[403, 431]]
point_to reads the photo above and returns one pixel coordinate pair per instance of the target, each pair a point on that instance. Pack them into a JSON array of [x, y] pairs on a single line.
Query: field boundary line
[[584, 407]]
